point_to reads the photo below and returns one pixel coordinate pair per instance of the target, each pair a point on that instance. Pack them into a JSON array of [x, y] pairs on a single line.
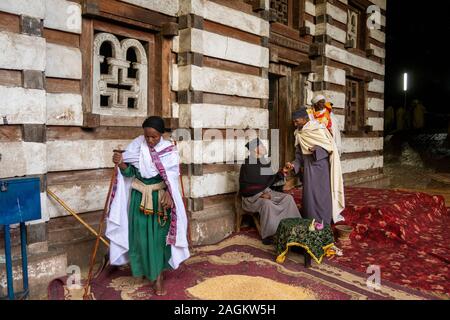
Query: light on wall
[[405, 82]]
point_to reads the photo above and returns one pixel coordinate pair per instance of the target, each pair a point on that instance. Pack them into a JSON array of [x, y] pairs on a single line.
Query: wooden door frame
[[286, 78]]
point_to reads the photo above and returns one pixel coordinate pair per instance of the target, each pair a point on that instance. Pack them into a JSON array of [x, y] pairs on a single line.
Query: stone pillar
[[220, 74]]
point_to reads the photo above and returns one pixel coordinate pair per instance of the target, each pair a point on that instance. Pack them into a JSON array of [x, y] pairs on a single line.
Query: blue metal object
[[20, 202], [23, 249], [9, 274]]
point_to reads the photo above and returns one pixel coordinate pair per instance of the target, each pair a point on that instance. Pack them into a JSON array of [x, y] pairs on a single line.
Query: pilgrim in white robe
[[138, 156]]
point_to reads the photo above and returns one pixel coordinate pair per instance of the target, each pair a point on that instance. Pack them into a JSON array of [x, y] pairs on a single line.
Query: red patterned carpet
[[406, 234], [241, 268]]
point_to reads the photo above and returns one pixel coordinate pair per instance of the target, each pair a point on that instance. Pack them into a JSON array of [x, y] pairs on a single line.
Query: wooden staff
[[73, 213], [87, 295]]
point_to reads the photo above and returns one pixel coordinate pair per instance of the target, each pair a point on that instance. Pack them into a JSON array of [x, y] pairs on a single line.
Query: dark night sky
[[417, 33]]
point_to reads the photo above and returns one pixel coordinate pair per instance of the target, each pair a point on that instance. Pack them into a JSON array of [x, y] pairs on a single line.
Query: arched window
[[120, 71], [127, 58]]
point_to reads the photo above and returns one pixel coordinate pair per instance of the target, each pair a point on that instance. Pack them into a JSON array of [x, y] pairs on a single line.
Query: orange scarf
[[324, 117]]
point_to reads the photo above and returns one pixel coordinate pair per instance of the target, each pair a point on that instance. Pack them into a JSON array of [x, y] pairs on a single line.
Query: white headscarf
[[318, 98]]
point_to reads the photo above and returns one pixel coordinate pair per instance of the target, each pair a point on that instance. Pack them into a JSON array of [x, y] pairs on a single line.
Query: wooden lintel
[[122, 12], [169, 29]]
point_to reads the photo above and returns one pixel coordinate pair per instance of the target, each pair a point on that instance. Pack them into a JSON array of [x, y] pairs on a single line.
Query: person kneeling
[[256, 179]]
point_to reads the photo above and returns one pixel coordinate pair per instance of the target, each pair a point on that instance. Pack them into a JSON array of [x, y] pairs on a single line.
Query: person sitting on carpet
[[317, 154], [147, 223], [255, 179]]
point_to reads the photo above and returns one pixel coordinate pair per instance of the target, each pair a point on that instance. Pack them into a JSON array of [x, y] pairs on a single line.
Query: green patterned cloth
[[295, 233]]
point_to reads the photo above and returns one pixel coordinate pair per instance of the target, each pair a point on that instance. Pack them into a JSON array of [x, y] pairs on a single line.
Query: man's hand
[[266, 195], [289, 166], [166, 201]]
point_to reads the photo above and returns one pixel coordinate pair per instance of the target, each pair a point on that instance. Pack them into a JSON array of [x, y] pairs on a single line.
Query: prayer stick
[[73, 213], [87, 295]]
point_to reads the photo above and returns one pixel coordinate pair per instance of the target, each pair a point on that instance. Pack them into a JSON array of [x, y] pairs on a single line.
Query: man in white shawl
[[317, 161], [147, 223]]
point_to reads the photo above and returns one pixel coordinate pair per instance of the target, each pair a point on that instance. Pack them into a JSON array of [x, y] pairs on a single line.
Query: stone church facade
[[77, 79]]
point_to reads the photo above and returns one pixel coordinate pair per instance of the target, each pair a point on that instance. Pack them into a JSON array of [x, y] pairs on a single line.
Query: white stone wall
[[35, 8], [222, 47], [218, 81], [36, 106], [19, 105], [227, 16], [63, 15], [22, 52], [337, 76], [217, 148]]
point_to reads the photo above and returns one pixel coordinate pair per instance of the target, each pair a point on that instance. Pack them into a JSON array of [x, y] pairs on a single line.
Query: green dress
[[148, 253]]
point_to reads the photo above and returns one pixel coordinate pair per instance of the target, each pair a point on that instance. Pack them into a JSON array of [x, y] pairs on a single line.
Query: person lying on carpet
[[147, 223], [318, 162], [255, 179]]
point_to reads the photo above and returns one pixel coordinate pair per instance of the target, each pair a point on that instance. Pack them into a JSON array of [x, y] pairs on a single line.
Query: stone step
[[64, 229], [42, 268], [35, 233], [377, 181], [70, 236], [212, 225], [380, 182], [56, 237], [79, 252]]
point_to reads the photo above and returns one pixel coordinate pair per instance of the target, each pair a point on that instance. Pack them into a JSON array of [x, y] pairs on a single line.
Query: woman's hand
[[118, 160], [166, 201]]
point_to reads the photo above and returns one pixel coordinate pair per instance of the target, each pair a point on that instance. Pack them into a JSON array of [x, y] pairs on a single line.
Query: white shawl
[[315, 134], [138, 155]]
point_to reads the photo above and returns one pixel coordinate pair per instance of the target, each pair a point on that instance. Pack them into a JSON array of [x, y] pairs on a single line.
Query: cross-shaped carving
[[116, 85]]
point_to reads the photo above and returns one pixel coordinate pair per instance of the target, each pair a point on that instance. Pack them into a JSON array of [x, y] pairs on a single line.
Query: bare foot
[[146, 280], [159, 286]]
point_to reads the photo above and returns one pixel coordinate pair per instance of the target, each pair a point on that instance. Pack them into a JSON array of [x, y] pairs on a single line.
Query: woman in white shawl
[[147, 223]]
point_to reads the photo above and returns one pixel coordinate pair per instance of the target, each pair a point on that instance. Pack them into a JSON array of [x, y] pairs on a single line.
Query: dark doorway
[[285, 95]]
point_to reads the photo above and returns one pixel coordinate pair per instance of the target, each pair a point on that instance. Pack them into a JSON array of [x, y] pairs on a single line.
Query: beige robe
[[315, 134], [281, 206]]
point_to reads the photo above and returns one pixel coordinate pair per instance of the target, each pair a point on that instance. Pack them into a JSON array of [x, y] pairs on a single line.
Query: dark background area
[[416, 43], [417, 33]]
